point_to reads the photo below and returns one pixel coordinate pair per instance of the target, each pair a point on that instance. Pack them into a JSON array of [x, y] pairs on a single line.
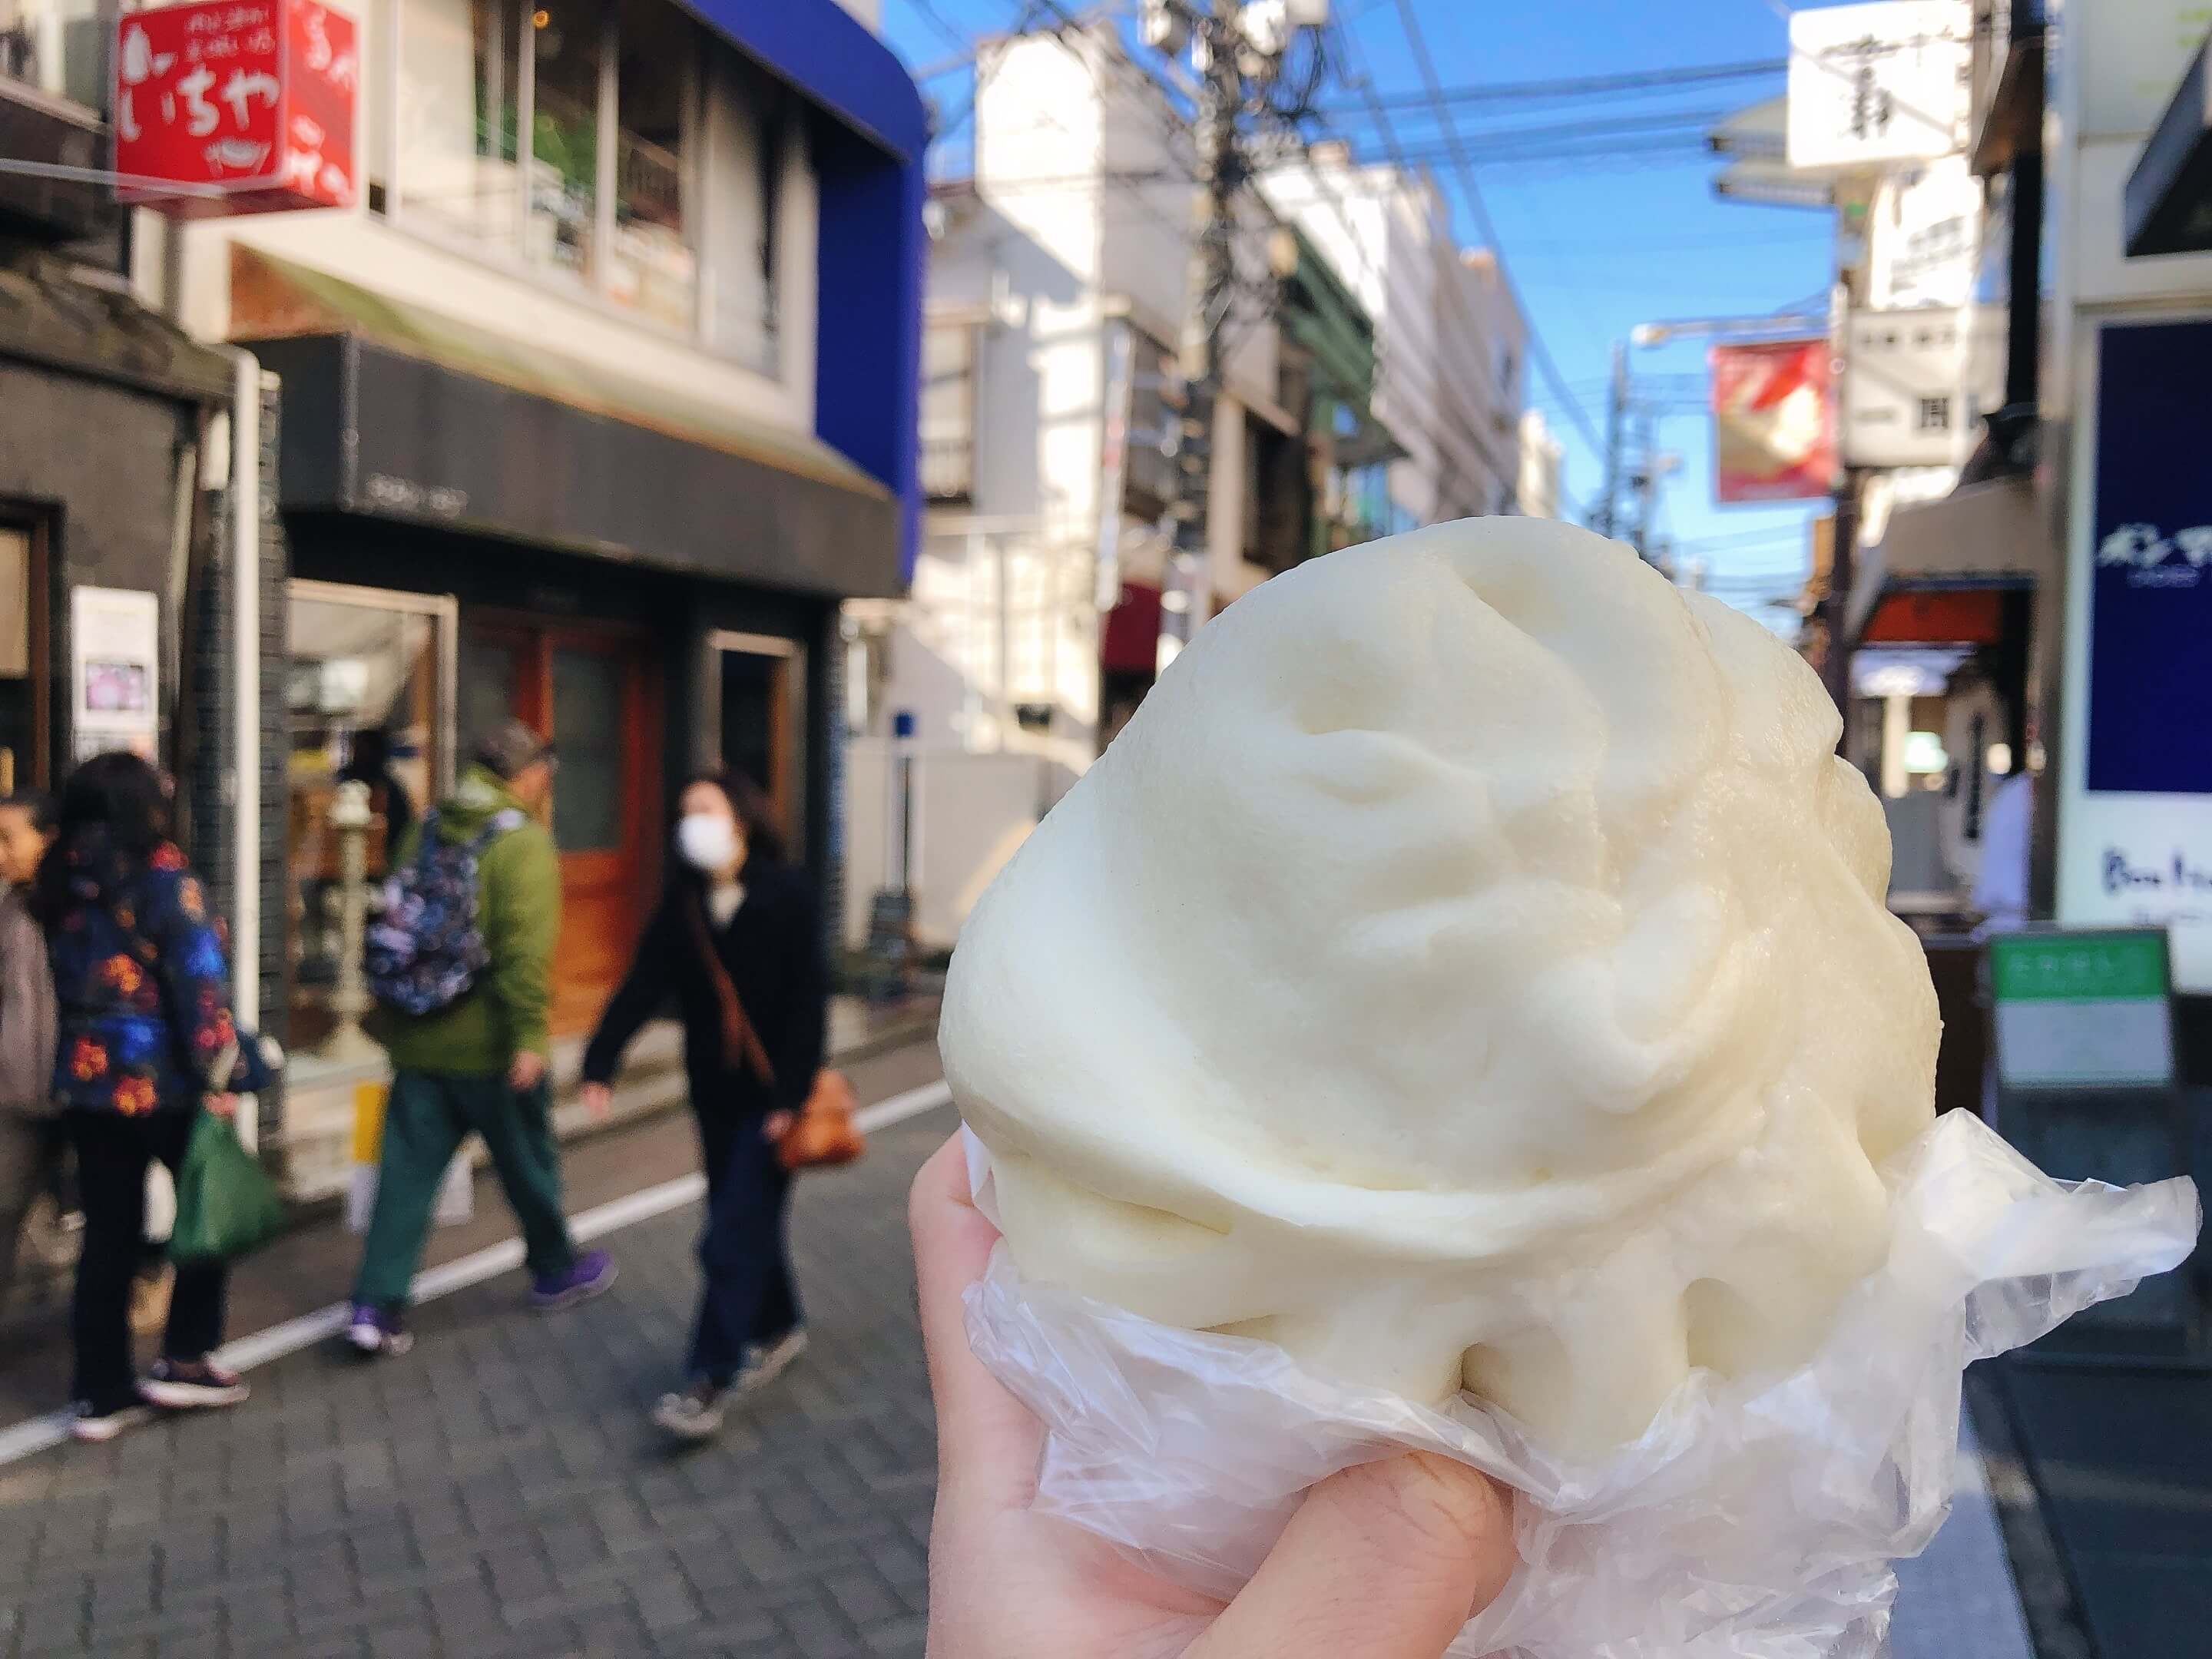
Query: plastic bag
[[225, 1205], [1754, 1520]]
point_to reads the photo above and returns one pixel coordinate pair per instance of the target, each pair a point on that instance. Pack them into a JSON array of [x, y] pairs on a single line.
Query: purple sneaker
[[378, 1330], [586, 1277]]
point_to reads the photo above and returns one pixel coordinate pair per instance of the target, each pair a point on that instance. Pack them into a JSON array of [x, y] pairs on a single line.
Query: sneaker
[[587, 1276], [378, 1330], [770, 1361], [694, 1414], [202, 1385], [98, 1427]]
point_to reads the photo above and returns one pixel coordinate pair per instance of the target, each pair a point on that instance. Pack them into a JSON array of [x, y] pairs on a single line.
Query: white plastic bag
[[1752, 1521]]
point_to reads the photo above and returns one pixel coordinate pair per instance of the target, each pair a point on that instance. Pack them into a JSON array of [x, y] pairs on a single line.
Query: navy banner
[[2150, 600]]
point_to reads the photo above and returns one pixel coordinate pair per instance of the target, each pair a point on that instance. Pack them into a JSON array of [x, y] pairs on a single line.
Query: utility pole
[[1616, 416], [1209, 284], [1237, 49]]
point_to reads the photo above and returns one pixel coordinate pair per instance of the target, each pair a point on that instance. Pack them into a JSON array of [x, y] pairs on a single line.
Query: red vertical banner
[[247, 105], [1774, 422]]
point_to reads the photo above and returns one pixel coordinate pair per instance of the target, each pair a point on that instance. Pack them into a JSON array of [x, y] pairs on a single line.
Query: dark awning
[[396, 413]]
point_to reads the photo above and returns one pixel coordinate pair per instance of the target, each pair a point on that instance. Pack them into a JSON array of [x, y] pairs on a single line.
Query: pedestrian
[[1388, 1559], [143, 1015], [30, 1136], [465, 993], [737, 946]]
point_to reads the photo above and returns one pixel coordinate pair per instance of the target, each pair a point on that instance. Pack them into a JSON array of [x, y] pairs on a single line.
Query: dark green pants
[[428, 1117]]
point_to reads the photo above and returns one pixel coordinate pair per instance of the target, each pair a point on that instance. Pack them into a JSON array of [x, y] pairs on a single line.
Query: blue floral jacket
[[141, 982]]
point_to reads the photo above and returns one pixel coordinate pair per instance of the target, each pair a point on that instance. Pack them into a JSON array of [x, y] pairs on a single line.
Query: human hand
[[223, 1106], [778, 1125], [526, 1071], [598, 1099], [1387, 1561]]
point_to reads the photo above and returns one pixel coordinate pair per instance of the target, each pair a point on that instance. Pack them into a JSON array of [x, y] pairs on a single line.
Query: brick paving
[[498, 1492]]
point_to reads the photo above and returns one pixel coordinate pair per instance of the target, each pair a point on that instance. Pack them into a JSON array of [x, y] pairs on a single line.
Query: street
[[499, 1491]]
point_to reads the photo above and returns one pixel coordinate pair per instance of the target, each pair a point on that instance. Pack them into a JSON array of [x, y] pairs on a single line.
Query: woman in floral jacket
[[145, 1018]]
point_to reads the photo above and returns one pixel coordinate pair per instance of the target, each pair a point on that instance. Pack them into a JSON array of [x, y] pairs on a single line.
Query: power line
[[1583, 86], [1539, 352]]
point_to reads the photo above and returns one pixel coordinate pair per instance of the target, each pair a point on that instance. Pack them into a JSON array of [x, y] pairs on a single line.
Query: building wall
[[111, 506], [1437, 329], [417, 102]]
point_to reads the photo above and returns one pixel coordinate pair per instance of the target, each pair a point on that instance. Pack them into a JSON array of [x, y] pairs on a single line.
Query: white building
[[1054, 302], [1537, 495], [1451, 344], [596, 399]]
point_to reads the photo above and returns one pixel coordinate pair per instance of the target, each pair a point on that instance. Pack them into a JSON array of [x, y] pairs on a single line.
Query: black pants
[[748, 1296], [113, 1153]]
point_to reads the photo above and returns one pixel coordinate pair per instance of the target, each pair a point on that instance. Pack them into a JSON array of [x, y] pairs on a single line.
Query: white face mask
[[708, 841]]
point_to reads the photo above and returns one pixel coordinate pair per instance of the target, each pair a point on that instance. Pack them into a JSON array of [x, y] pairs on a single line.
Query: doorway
[[595, 691], [761, 695], [25, 716]]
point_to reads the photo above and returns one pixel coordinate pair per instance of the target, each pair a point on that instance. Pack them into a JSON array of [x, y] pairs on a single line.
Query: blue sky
[[1594, 247]]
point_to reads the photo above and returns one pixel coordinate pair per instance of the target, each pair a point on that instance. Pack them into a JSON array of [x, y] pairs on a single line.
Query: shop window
[[567, 38], [651, 264], [23, 711], [367, 699], [589, 138], [57, 46]]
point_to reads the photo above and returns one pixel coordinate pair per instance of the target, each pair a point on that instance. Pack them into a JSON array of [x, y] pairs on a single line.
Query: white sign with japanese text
[[1875, 84]]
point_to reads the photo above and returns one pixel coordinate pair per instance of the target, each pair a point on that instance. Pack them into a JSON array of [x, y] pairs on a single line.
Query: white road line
[[39, 1434]]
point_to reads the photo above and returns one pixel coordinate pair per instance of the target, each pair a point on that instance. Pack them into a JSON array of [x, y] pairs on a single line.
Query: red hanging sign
[[248, 103], [1774, 422]]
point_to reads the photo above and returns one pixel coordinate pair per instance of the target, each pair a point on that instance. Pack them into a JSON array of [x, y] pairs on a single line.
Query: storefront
[[658, 595]]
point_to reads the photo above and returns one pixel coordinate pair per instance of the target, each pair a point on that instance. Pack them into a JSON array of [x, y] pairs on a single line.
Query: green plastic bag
[[225, 1205]]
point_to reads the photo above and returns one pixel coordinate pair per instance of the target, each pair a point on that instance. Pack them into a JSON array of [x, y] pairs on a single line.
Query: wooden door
[[593, 692]]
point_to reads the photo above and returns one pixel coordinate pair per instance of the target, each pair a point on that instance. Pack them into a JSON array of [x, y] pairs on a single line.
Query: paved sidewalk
[[498, 1493]]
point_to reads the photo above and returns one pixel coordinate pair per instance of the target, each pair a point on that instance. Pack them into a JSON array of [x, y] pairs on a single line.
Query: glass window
[[651, 265], [364, 701], [948, 411], [564, 134], [743, 139], [588, 791], [59, 46], [457, 89]]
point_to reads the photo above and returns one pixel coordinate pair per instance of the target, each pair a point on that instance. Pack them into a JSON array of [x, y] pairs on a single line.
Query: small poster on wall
[[115, 637]]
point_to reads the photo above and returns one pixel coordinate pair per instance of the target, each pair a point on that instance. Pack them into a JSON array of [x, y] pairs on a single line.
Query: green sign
[[2078, 1011], [2078, 967]]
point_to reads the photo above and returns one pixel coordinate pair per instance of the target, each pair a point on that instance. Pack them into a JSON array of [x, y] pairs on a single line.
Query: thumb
[[1386, 1561]]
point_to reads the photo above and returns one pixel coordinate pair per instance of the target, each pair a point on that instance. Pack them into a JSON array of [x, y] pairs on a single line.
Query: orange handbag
[[824, 1135]]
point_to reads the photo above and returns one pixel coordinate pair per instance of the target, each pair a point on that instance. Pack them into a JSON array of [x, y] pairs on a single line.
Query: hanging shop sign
[[235, 107], [1774, 424], [2135, 819], [1924, 237], [115, 672], [1917, 384], [1871, 85]]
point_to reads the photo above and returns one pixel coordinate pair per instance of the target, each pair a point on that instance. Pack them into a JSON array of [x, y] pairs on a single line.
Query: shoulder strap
[[741, 1044]]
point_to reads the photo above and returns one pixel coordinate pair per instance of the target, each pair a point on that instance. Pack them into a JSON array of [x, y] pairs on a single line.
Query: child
[[30, 1146]]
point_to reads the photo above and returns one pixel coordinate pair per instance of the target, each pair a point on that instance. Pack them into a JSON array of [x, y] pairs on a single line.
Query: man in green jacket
[[479, 1064]]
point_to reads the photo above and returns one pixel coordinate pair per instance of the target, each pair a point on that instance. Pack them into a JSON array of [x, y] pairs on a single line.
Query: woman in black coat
[[737, 946]]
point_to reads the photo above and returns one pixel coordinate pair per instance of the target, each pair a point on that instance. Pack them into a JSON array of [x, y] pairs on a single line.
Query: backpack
[[424, 952]]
